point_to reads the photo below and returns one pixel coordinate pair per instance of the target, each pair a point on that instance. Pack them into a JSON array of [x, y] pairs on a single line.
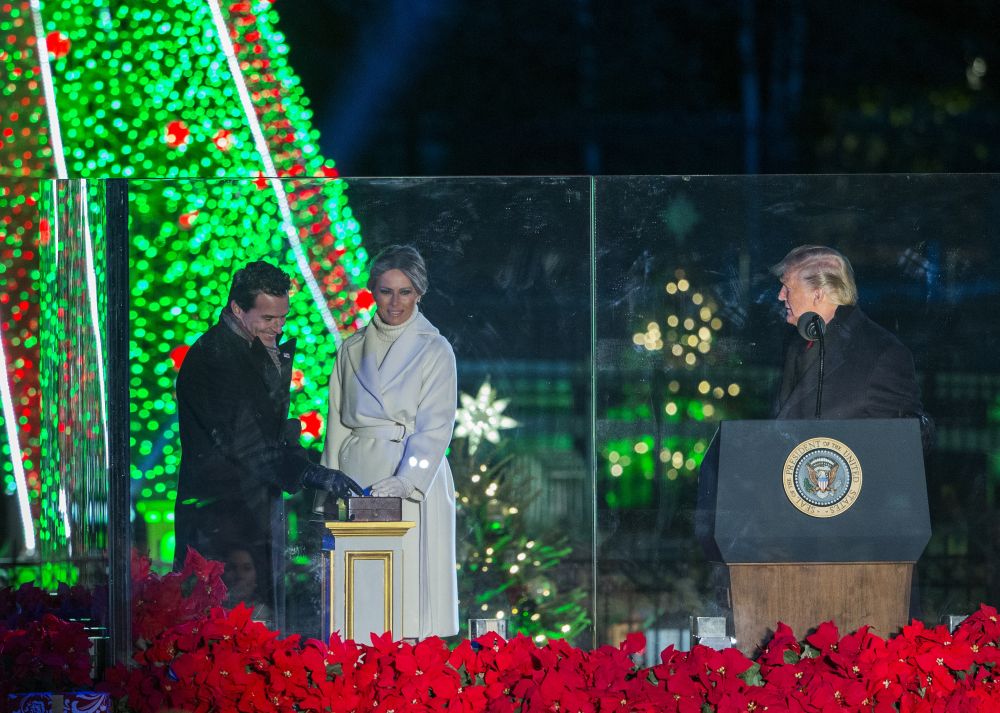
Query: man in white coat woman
[[393, 395]]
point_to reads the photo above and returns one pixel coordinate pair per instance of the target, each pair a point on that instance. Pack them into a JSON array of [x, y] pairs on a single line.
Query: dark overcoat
[[868, 373], [239, 452]]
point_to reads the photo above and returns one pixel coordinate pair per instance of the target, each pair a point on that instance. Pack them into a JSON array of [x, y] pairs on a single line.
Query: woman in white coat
[[393, 396]]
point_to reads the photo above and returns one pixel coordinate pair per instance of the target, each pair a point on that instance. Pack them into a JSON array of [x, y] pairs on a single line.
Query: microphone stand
[[812, 328], [819, 387]]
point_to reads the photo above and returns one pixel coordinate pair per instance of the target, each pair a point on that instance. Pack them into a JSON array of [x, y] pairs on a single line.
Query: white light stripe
[[50, 93], [88, 252], [270, 173], [15, 454]]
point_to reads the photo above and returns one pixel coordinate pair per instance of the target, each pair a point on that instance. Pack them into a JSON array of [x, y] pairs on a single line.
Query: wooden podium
[[815, 520], [363, 578]]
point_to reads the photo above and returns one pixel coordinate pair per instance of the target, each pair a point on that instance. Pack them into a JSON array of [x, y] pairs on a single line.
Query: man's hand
[[335, 482], [394, 487]]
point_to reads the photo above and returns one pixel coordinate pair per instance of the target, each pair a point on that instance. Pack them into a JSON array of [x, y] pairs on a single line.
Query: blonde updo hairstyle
[[406, 259]]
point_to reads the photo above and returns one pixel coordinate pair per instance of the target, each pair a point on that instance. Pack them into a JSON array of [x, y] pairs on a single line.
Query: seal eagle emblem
[[822, 477]]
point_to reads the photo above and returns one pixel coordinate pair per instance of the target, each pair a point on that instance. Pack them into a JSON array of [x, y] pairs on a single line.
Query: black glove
[[335, 482]]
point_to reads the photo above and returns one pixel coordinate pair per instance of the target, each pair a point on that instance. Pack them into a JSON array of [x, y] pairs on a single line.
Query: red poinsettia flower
[[983, 627], [229, 672], [473, 700], [684, 695], [847, 657], [253, 698], [464, 659], [287, 674], [341, 654], [783, 641], [825, 638]]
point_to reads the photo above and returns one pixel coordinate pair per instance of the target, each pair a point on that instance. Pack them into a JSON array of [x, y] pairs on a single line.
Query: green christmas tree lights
[[183, 91]]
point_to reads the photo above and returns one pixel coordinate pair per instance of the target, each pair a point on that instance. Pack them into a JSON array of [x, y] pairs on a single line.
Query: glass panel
[[689, 332], [54, 402], [509, 289]]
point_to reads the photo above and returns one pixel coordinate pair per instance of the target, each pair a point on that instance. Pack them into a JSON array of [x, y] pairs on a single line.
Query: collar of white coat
[[407, 347]]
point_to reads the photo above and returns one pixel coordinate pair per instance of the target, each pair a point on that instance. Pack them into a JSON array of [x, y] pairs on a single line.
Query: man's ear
[[236, 309]]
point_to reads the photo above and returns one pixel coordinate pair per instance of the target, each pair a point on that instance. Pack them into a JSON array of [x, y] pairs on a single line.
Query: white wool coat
[[396, 420]]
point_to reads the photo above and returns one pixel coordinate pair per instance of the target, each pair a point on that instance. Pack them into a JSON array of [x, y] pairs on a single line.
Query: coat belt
[[395, 432]]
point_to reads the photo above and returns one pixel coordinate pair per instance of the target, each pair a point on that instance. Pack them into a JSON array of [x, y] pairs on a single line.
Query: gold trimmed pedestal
[[363, 578]]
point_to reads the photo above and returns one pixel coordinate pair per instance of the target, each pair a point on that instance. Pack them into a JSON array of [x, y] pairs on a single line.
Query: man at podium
[[865, 372], [795, 549]]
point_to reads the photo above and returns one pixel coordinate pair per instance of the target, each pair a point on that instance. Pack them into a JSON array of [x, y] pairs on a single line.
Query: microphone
[[812, 328]]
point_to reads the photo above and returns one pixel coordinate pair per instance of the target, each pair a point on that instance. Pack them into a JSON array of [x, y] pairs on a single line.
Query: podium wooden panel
[[363, 578], [805, 594]]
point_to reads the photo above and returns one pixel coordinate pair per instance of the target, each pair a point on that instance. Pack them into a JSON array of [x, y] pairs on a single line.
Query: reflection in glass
[[509, 289], [54, 394], [668, 368]]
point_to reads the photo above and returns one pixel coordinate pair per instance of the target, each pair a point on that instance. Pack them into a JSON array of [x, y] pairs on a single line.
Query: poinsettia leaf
[[752, 675], [790, 656]]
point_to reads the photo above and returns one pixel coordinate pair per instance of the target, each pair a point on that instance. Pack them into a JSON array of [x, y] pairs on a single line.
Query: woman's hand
[[394, 487]]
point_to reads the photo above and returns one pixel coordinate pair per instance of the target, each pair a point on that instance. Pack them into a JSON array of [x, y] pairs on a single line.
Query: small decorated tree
[[505, 571]]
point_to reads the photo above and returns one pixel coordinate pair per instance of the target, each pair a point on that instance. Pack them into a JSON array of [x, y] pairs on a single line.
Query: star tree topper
[[482, 417]]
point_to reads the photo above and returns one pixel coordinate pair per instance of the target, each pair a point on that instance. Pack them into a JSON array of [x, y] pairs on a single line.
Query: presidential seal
[[822, 477]]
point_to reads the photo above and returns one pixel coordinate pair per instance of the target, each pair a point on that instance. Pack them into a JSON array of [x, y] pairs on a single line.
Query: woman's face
[[395, 297], [240, 576]]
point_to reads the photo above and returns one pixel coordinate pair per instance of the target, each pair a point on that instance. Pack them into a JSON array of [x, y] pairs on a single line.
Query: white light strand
[[95, 325], [50, 93], [14, 444], [270, 173]]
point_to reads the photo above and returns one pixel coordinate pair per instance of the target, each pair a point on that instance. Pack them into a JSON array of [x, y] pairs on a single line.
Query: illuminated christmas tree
[[179, 90], [505, 571], [675, 344]]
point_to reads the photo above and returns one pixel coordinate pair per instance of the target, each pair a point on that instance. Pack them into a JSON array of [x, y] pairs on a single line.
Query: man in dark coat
[[868, 373], [239, 449]]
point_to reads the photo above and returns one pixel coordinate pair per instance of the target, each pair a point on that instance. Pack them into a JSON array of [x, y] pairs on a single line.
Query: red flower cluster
[[39, 649], [159, 603], [920, 670], [28, 603], [193, 655], [47, 654], [223, 660], [229, 662]]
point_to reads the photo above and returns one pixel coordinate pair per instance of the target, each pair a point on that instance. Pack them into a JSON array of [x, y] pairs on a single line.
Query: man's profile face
[[266, 318], [797, 296]]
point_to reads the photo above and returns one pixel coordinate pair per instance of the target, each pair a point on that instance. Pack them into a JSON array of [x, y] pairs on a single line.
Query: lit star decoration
[[482, 417], [178, 108]]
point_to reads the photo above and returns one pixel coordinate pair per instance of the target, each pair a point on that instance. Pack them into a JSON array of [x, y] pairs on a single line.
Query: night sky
[[522, 87]]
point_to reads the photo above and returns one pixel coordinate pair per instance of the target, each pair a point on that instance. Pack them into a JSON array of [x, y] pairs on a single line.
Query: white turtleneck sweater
[[388, 333]]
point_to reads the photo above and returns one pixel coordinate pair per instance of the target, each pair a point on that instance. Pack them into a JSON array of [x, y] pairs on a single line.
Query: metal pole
[[119, 505]]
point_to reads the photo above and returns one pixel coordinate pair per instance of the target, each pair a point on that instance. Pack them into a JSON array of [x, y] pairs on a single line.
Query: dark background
[[516, 87]]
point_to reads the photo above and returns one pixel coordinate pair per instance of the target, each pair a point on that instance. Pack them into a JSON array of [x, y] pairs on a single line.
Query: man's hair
[[821, 268], [404, 258], [255, 278]]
